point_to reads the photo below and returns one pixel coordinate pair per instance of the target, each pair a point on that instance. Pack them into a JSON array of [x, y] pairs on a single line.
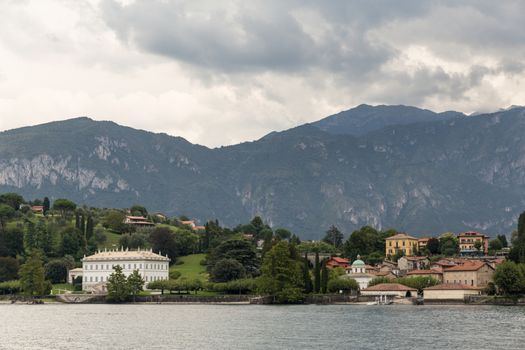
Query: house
[[422, 243], [467, 243], [359, 274], [390, 289], [336, 261], [449, 291], [191, 224], [37, 209], [97, 268], [442, 264], [474, 273], [138, 221], [438, 275], [409, 263], [400, 243]]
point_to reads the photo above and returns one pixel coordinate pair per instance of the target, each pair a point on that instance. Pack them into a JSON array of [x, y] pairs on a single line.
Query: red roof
[[468, 266], [424, 272], [451, 286], [388, 287], [340, 260], [401, 236]]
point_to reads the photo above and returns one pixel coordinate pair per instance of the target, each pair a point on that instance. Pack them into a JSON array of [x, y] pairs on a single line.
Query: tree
[[8, 269], [503, 240], [281, 275], [433, 246], [162, 240], [363, 242], [90, 226], [6, 213], [334, 237], [14, 200], [32, 275], [239, 250], [509, 278], [268, 241], [43, 238], [132, 240], [258, 224], [138, 210], [317, 274], [308, 287], [11, 242], [315, 246], [226, 270], [448, 244], [56, 270], [46, 205], [478, 245], [135, 283], [324, 278], [114, 220], [71, 242], [517, 252], [346, 285], [283, 233], [186, 242], [118, 288], [64, 206], [495, 245]]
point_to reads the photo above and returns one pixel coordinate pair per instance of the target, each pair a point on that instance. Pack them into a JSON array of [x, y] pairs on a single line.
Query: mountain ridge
[[424, 177]]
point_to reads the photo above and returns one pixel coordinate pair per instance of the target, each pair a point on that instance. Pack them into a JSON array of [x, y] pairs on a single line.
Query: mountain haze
[[386, 166]]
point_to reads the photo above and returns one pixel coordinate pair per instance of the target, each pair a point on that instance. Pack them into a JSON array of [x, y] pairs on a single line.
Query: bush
[[10, 287], [342, 284], [174, 274], [241, 286], [289, 296]]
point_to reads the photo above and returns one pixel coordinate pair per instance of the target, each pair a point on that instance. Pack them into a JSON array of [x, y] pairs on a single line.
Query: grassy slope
[[192, 267]]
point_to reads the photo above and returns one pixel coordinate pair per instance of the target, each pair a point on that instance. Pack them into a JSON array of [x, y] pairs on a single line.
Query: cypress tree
[[306, 275], [46, 205], [324, 278], [89, 227], [77, 220], [82, 224], [317, 274]]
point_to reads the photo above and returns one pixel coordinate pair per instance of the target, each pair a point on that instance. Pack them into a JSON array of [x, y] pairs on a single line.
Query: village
[[468, 274]]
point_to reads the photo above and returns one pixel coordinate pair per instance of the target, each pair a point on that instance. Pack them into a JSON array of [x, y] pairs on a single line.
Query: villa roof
[[126, 255], [78, 269], [388, 287], [415, 258], [401, 236], [340, 260], [468, 266], [451, 286], [424, 272]]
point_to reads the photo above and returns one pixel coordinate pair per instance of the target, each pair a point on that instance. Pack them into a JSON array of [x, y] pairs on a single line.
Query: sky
[[224, 72]]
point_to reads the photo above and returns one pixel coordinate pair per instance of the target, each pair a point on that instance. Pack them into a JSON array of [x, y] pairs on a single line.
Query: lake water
[[260, 327]]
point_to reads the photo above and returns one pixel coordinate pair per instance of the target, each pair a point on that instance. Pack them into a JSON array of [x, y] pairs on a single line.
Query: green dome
[[358, 262]]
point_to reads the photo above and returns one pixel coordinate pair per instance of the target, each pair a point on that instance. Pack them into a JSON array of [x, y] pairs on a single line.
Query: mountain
[[437, 174], [365, 118]]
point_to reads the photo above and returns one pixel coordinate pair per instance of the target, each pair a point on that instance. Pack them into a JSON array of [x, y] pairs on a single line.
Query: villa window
[[90, 278]]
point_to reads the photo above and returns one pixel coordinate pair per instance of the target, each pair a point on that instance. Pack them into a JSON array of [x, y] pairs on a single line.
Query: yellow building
[[401, 242]]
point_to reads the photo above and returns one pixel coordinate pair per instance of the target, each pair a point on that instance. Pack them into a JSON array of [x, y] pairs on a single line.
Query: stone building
[[471, 273]]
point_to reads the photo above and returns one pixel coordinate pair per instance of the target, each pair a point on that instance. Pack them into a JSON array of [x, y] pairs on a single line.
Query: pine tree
[[32, 275], [118, 288], [317, 274], [324, 278], [77, 220], [135, 283], [43, 238], [30, 241]]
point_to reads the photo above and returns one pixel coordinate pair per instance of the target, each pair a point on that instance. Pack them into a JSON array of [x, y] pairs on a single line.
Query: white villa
[[359, 274], [97, 268]]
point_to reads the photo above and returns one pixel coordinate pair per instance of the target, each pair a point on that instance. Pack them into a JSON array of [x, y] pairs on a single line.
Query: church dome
[[358, 262]]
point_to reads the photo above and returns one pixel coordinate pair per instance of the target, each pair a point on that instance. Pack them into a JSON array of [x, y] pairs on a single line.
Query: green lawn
[[192, 267], [60, 287]]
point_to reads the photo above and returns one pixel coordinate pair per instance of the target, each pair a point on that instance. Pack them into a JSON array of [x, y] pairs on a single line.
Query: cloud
[[190, 68]]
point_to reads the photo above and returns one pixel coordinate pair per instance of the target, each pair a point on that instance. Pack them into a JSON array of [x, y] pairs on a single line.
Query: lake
[[59, 326]]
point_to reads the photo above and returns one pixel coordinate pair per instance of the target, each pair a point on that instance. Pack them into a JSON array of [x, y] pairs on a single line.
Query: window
[[140, 266], [90, 278], [135, 266], [96, 278]]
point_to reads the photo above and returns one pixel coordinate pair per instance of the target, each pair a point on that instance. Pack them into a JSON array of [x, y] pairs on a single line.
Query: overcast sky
[[222, 72]]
